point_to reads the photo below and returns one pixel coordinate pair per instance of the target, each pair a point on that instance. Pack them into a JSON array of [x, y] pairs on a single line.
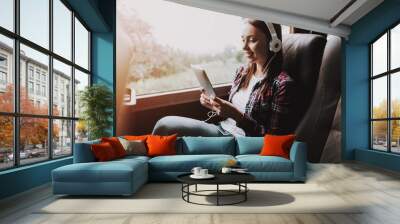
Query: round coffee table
[[238, 179]]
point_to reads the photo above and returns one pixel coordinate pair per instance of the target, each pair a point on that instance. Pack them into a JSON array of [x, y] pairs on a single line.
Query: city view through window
[[44, 112], [162, 45], [385, 94]]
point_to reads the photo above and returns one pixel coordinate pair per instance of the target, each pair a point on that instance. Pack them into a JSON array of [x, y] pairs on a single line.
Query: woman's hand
[[206, 101], [226, 109]]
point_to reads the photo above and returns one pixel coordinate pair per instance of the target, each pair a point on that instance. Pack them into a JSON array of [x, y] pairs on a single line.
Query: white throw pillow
[[134, 147]]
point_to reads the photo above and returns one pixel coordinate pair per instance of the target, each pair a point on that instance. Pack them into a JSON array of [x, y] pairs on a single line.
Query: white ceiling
[[320, 9], [313, 15]]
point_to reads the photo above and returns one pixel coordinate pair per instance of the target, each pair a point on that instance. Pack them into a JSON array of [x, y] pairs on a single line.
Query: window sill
[[158, 100], [30, 166]]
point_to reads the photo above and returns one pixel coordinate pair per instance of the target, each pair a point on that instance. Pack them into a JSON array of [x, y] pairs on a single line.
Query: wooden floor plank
[[375, 189]]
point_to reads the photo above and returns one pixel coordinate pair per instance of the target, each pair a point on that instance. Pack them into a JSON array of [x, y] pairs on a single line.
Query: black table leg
[[188, 190], [245, 193], [217, 194]]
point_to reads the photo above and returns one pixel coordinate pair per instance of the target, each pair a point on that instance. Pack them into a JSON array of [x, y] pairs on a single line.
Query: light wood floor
[[378, 188]]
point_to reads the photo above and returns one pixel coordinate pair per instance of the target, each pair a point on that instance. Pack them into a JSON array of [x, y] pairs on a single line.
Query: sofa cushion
[[249, 145], [134, 147], [161, 145], [207, 145], [257, 163], [132, 159], [97, 172], [83, 153], [116, 145], [185, 163], [103, 152], [277, 145]]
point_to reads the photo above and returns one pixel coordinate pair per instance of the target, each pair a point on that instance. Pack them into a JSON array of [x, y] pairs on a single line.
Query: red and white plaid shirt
[[270, 109]]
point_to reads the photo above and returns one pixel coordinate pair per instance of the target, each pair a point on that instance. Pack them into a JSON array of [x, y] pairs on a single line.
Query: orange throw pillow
[[161, 145], [103, 152], [135, 137], [116, 145], [277, 145]]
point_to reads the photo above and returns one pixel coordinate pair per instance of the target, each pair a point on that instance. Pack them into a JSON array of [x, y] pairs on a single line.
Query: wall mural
[[158, 41]]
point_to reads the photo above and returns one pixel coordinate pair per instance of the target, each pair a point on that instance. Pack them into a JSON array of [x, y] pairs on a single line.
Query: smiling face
[[254, 44]]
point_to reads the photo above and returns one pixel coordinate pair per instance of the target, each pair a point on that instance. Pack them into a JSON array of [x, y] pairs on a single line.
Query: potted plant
[[96, 102]]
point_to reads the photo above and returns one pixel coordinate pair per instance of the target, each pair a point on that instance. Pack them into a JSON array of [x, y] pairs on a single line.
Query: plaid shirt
[[270, 106]]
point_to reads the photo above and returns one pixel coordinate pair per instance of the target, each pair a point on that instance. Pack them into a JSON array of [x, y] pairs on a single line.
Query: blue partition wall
[[99, 15], [356, 86]]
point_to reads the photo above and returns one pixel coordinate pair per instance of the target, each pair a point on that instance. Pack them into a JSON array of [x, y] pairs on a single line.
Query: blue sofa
[[125, 176]]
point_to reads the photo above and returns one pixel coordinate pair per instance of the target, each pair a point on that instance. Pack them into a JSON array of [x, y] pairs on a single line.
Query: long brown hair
[[275, 65]]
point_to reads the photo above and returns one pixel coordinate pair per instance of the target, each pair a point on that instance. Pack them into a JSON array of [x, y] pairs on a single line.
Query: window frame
[[16, 115], [388, 74]]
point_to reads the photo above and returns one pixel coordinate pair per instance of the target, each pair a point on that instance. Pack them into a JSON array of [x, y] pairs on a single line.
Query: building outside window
[[44, 77], [3, 78], [56, 140], [3, 61], [3, 81], [3, 72], [43, 90], [30, 72], [38, 89], [385, 95], [30, 87], [37, 74]]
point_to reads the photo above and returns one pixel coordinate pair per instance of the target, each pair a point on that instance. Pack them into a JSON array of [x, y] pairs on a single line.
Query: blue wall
[[356, 85], [24, 178], [99, 15]]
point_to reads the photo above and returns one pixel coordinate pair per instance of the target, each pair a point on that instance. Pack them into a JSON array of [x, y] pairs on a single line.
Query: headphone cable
[[210, 114]]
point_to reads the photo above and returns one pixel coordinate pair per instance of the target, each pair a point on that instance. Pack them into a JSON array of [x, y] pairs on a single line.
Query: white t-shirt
[[239, 100]]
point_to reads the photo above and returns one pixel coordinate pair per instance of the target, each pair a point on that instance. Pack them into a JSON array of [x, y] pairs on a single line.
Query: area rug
[[167, 198]]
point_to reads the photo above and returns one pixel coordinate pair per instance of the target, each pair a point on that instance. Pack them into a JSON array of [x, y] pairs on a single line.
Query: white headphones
[[275, 45]]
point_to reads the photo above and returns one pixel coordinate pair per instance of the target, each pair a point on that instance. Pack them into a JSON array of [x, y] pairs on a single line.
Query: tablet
[[205, 83]]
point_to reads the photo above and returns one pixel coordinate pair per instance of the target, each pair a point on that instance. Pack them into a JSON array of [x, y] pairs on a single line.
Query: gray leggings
[[185, 126]]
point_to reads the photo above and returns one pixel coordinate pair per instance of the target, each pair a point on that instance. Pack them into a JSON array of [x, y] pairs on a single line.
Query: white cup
[[226, 170], [196, 170], [203, 172]]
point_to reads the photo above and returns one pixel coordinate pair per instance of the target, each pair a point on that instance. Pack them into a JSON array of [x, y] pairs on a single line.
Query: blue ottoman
[[118, 177]]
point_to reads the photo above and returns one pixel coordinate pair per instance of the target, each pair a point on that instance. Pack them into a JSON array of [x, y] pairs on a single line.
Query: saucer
[[208, 176]]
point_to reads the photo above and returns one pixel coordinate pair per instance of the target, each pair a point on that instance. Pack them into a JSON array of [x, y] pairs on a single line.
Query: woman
[[260, 100]]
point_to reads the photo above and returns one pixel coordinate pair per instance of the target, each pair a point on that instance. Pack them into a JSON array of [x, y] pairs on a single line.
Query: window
[[44, 91], [81, 81], [3, 61], [61, 74], [30, 72], [62, 137], [163, 48], [53, 125], [33, 149], [7, 14], [81, 45], [37, 89], [35, 21], [37, 75], [6, 73], [385, 94], [30, 87], [62, 31], [3, 78], [6, 142], [3, 72]]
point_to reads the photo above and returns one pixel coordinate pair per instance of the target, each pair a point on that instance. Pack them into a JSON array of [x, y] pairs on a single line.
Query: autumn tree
[[6, 122], [380, 127], [33, 131], [150, 59]]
